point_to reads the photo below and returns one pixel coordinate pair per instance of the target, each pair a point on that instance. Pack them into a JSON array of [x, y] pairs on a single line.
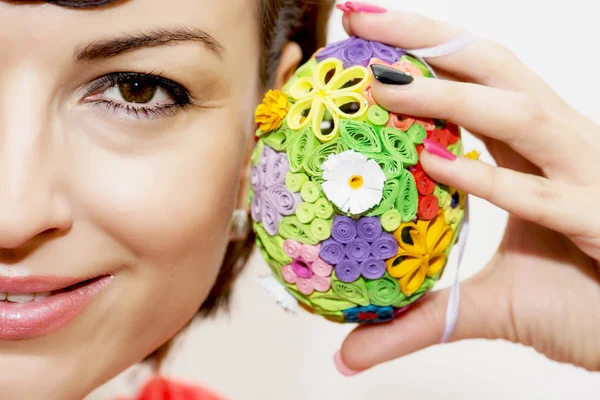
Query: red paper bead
[[438, 136], [425, 185], [453, 134], [428, 207]]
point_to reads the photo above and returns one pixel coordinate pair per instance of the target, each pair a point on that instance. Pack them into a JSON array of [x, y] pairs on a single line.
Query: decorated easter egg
[[351, 226]]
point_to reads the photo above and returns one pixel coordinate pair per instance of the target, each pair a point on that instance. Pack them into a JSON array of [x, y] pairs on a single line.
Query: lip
[[34, 284], [33, 319]]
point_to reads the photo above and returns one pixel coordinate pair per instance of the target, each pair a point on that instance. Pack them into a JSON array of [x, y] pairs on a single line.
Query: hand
[[542, 287]]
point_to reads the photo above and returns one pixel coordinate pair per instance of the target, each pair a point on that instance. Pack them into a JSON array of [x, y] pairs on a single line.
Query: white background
[[261, 353]]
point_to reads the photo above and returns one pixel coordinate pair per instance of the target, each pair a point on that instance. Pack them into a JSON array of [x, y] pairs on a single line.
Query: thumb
[[484, 313]]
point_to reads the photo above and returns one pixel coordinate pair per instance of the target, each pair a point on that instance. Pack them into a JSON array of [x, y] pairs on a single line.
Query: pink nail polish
[[341, 367], [438, 150], [343, 7], [357, 6]]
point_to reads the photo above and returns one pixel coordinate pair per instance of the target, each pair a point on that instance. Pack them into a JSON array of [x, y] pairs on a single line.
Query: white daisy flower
[[353, 182]]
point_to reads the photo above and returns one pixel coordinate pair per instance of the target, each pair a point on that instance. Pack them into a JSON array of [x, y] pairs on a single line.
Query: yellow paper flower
[[420, 252], [271, 113], [331, 93], [473, 155], [454, 203]]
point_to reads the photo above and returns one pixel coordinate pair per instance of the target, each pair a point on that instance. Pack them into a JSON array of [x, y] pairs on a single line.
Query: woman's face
[[123, 131]]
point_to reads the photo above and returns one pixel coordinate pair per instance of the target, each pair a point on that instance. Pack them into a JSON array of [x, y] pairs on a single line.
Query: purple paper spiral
[[369, 228], [332, 251], [270, 217], [373, 268], [257, 179], [358, 52], [284, 201], [343, 229], [348, 271], [385, 53], [384, 247], [333, 49], [358, 250], [278, 168], [257, 202]]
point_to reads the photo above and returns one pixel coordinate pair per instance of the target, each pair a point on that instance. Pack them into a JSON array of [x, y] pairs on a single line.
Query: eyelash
[[180, 95]]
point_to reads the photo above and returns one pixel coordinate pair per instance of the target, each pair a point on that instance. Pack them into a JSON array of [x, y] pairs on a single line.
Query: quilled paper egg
[[349, 223]]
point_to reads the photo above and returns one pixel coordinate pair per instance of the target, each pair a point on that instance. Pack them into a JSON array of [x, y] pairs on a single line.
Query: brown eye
[[137, 91]]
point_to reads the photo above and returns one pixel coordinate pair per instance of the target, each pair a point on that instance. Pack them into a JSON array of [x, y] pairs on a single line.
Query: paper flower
[[453, 205], [420, 253], [307, 271], [271, 113], [329, 94], [369, 314], [271, 200], [357, 51], [353, 182]]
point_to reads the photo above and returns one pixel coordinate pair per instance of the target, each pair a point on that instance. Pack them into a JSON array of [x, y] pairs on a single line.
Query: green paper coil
[[425, 287], [256, 153], [378, 116], [407, 201], [273, 245], [279, 139], [291, 228], [399, 145], [313, 162], [391, 220], [303, 143], [426, 72], [441, 192], [416, 133], [323, 209], [329, 302], [392, 167], [390, 194], [305, 212], [355, 292], [359, 136], [310, 192], [384, 291], [294, 182], [321, 229]]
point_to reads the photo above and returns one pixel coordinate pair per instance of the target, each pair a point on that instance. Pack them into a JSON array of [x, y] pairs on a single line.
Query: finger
[[484, 313], [554, 205], [483, 62], [511, 117]]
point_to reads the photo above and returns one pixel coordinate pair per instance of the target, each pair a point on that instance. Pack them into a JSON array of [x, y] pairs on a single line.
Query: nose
[[30, 200]]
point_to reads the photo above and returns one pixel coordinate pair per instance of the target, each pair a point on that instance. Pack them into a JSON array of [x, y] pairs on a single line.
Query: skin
[[87, 191], [541, 288]]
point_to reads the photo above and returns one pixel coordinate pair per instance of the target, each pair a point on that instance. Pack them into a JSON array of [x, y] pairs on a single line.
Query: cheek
[[170, 206]]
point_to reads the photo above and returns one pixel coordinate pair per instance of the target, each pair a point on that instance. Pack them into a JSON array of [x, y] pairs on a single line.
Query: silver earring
[[240, 225]]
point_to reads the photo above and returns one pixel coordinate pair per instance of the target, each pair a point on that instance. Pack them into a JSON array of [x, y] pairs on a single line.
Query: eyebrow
[[107, 48]]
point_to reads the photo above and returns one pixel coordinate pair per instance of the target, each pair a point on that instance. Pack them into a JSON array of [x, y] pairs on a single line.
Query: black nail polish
[[390, 76]]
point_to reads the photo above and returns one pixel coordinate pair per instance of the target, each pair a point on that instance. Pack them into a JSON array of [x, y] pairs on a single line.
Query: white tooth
[[2, 295], [20, 297], [41, 296]]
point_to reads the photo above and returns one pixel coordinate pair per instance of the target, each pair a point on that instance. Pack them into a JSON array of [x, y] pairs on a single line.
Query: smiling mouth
[[21, 298], [37, 306]]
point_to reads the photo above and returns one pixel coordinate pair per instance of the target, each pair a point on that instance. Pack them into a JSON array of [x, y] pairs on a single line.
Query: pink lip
[[28, 320], [36, 284]]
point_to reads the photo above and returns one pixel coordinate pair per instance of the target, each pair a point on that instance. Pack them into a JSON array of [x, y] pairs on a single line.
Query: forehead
[[28, 24]]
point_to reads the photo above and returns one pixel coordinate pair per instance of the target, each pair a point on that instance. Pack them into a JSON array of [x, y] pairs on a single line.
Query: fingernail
[[343, 7], [341, 367], [390, 76], [357, 6], [438, 150]]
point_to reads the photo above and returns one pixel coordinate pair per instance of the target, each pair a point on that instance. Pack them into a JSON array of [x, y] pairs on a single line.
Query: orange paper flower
[[420, 252], [270, 114]]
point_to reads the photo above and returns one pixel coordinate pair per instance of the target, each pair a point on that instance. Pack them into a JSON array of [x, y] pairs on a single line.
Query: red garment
[[160, 388]]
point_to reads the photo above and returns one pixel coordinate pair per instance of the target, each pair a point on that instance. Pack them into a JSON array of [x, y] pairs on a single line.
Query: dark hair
[[301, 21]]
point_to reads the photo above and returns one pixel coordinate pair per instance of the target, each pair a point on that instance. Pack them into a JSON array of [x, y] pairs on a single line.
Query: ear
[[291, 56]]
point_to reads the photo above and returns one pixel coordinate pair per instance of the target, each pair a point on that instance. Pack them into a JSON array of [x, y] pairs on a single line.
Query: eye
[[138, 95]]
